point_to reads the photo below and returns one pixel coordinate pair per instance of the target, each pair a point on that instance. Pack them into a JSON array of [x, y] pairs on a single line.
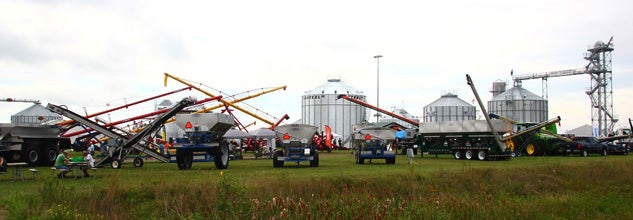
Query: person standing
[[409, 153], [91, 149], [91, 163]]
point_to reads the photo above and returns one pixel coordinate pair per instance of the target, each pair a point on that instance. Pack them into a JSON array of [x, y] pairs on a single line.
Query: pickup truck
[[584, 146]]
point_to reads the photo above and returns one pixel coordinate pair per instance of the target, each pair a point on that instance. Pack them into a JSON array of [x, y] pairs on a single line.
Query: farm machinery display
[[121, 145], [203, 141], [373, 143], [33, 144], [296, 145], [544, 141], [476, 139]]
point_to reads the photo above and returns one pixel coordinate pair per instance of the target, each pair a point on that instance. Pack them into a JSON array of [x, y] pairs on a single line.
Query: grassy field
[[432, 188]]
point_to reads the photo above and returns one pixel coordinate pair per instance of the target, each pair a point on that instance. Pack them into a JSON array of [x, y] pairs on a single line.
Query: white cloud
[[86, 54]]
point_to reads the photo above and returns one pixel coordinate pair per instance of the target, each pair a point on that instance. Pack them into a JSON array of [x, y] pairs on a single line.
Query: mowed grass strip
[[439, 188]]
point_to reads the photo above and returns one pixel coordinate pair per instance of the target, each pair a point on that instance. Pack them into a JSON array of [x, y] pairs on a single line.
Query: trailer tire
[[221, 155], [116, 164], [391, 160], [188, 160], [457, 155], [359, 159], [180, 159], [138, 162], [276, 162], [32, 155], [315, 159], [469, 155], [51, 155], [482, 155]]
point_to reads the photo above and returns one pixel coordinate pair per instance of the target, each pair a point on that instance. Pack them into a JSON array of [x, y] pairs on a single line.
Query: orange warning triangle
[[188, 125], [367, 137]]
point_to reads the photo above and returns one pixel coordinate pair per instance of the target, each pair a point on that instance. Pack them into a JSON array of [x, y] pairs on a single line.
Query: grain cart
[[296, 145], [470, 139], [203, 139], [34, 144], [372, 143]]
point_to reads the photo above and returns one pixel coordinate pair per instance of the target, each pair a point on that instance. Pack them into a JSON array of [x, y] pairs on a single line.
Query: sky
[[94, 55]]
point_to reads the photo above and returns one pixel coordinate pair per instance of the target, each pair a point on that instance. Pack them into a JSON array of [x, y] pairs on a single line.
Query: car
[[617, 149], [584, 146]]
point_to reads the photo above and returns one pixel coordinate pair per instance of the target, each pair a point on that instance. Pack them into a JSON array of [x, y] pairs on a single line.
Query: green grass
[[432, 188]]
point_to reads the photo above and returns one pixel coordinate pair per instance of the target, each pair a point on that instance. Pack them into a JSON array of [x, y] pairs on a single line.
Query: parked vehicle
[[584, 146], [296, 145]]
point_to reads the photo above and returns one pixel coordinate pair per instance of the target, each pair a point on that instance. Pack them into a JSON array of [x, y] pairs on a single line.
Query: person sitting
[[61, 162], [91, 163]]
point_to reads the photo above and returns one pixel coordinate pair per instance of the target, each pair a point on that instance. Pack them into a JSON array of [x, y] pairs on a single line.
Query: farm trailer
[[33, 144], [203, 140], [296, 145], [372, 143]]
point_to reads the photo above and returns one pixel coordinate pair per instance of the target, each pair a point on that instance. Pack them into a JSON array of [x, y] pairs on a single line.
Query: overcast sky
[[90, 54]]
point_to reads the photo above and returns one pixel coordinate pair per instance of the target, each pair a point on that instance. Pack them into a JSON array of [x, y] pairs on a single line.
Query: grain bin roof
[[449, 99], [516, 93], [333, 86], [37, 110]]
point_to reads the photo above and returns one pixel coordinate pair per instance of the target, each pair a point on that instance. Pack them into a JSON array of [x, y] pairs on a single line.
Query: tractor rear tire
[[221, 156]]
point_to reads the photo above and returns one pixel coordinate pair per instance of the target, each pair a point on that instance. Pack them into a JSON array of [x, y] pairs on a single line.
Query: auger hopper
[[296, 145]]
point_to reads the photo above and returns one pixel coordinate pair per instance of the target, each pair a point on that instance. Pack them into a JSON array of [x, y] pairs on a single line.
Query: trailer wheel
[[469, 154], [180, 159], [32, 155], [116, 164], [188, 160], [457, 154], [584, 153], [51, 155], [359, 159], [482, 155], [315, 159], [391, 160], [276, 162], [138, 162], [221, 155]]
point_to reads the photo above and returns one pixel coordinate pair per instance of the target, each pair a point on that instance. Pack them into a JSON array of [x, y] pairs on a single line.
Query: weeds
[[554, 190]]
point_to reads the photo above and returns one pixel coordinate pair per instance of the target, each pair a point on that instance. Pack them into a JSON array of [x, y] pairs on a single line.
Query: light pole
[[377, 85]]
